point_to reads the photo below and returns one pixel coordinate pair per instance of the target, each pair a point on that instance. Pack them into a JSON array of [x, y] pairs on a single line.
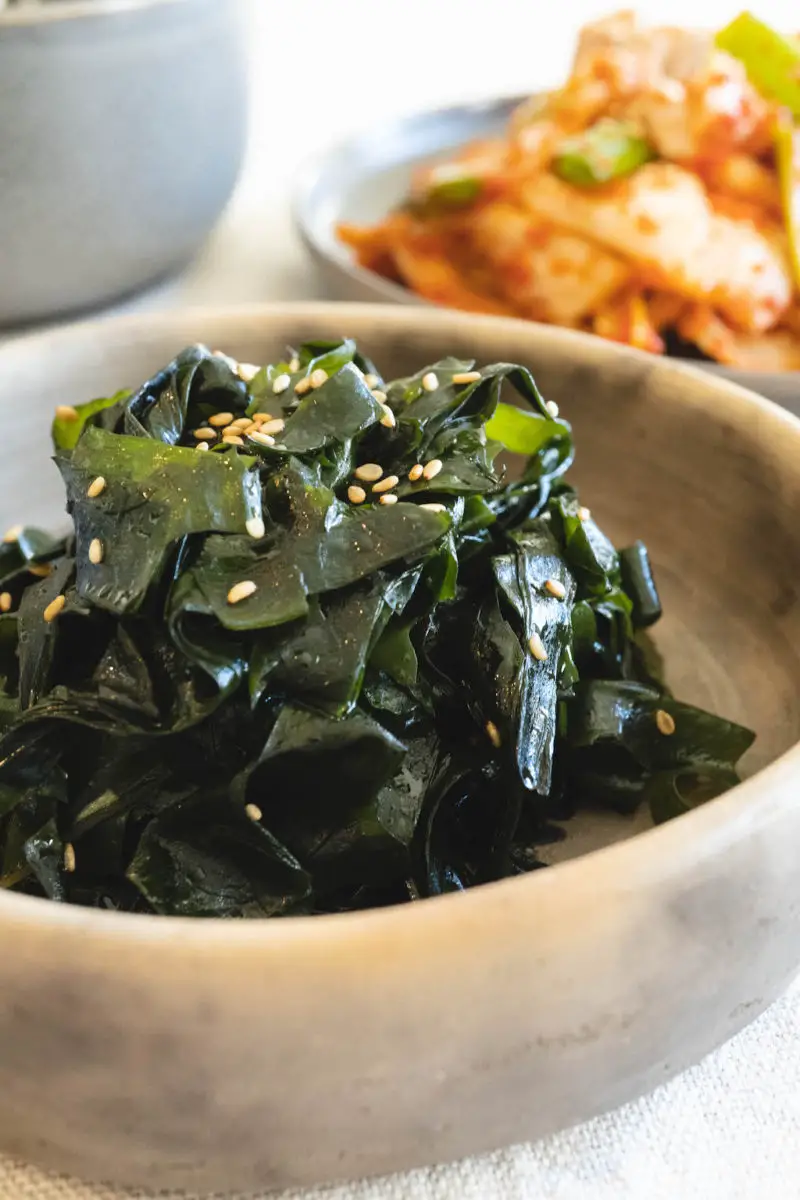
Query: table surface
[[730, 1128]]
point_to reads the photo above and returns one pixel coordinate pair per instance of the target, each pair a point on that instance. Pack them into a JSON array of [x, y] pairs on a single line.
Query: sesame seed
[[493, 734], [277, 425], [40, 570], [240, 591], [230, 431], [432, 468], [389, 498], [201, 446], [302, 386], [665, 722], [232, 439], [96, 551], [263, 439], [379, 395], [536, 647], [433, 507], [12, 534], [317, 378], [355, 494], [552, 408], [253, 812], [369, 472], [294, 365], [5, 601], [65, 412], [241, 422], [54, 608], [371, 380], [223, 418], [388, 418], [556, 588], [466, 377], [430, 382], [204, 433], [250, 427], [255, 527], [69, 857], [584, 513], [247, 371], [416, 472], [280, 383], [97, 486], [262, 416], [386, 484]]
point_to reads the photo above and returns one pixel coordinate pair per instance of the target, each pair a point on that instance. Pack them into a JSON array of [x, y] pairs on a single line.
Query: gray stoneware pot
[[242, 1054], [121, 139]]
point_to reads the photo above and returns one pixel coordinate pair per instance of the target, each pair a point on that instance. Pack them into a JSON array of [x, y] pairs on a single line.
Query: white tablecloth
[[730, 1128]]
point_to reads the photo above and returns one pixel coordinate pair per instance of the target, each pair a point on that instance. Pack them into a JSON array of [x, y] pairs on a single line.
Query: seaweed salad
[[320, 641]]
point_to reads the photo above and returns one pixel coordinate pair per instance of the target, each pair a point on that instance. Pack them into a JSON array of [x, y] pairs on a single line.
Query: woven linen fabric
[[729, 1129]]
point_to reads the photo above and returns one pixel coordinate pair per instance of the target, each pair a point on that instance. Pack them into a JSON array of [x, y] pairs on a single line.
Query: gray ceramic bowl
[[208, 1054], [123, 132]]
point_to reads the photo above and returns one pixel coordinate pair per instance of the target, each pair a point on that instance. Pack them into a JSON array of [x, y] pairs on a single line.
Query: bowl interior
[[706, 474]]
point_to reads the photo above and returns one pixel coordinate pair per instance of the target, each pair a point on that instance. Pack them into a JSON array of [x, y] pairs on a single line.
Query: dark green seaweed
[[406, 696]]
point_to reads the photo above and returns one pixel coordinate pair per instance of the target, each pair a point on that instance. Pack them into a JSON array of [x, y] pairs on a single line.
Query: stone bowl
[[206, 1054], [125, 131]]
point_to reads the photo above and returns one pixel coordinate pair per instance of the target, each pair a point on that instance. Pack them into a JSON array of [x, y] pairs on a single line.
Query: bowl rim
[[652, 855], [69, 10]]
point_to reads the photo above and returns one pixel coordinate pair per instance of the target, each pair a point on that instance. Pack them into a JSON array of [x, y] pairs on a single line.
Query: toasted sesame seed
[[230, 431], [69, 858], [433, 507], [240, 591], [54, 608], [5, 601], [493, 734], [12, 534], [371, 380], [204, 433], [536, 647], [556, 588], [263, 439], [584, 513], [389, 498], [430, 382], [302, 386], [255, 527], [280, 383], [379, 395], [96, 551], [201, 446], [223, 418], [356, 494], [232, 439], [665, 722], [416, 472], [294, 365], [386, 484], [388, 419], [259, 417], [466, 377], [276, 425], [247, 371], [552, 408], [253, 812], [432, 468], [97, 486], [66, 412], [317, 378], [369, 472], [241, 422], [40, 570]]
